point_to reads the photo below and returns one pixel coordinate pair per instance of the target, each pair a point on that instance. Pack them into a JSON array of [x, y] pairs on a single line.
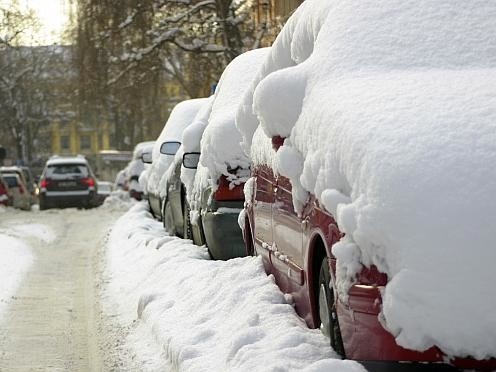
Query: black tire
[[187, 231], [42, 204], [167, 218], [329, 323]]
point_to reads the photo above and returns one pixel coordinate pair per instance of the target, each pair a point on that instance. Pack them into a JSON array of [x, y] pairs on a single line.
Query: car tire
[[187, 231], [42, 204], [167, 218], [329, 323]]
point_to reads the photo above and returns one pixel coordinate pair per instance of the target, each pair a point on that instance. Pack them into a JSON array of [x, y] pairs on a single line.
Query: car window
[[11, 181], [61, 170]]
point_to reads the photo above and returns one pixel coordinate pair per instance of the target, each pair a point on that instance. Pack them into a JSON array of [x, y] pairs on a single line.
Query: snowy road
[[51, 318]]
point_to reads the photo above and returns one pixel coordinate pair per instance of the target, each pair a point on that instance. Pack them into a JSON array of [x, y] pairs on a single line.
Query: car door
[[288, 233], [263, 199]]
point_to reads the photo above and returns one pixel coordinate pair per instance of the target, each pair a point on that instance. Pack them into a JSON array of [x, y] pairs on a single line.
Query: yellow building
[[73, 138]]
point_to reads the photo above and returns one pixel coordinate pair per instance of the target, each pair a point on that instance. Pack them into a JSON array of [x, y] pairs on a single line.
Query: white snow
[[391, 123], [16, 258], [221, 152], [136, 166], [180, 118], [206, 315]]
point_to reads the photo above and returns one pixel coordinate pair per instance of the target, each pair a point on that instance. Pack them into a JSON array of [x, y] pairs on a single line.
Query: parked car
[[362, 171], [179, 178], [217, 194], [20, 196], [67, 182], [135, 167], [5, 193], [120, 182], [165, 149], [104, 189], [27, 179]]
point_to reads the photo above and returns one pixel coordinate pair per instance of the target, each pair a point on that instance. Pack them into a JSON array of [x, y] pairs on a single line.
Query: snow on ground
[[390, 123], [16, 257], [118, 200], [205, 315]]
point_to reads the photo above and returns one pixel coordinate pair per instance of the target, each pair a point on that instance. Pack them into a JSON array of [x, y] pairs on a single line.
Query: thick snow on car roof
[[393, 127], [67, 160], [220, 144]]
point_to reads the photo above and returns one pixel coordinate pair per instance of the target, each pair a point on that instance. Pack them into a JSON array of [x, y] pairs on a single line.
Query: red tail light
[[90, 182], [223, 192], [45, 182]]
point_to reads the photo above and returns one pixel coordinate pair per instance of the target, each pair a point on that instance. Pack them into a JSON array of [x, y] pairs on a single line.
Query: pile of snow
[[206, 315], [220, 149], [16, 259], [180, 118], [34, 230], [391, 123], [118, 200]]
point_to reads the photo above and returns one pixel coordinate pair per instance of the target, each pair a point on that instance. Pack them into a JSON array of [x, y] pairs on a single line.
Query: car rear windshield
[[11, 180], [66, 170]]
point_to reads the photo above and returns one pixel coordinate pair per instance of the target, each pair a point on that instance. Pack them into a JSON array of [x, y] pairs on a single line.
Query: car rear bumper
[[68, 198], [223, 234]]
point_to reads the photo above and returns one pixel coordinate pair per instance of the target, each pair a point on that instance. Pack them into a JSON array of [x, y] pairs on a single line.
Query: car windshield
[[62, 170], [11, 180]]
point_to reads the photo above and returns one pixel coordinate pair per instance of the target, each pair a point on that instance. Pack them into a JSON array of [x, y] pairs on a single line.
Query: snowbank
[[207, 315], [392, 125], [16, 259], [118, 200]]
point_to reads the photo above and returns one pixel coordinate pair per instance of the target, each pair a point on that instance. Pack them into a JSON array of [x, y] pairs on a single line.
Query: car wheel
[[167, 218], [187, 232], [329, 324]]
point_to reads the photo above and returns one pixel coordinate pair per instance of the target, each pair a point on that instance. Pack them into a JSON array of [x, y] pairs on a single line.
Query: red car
[[297, 251]]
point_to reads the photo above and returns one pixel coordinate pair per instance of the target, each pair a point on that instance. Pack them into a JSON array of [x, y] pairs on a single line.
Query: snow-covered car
[[135, 167], [20, 196], [166, 146], [67, 181], [217, 194], [372, 192], [26, 178], [120, 182], [5, 193]]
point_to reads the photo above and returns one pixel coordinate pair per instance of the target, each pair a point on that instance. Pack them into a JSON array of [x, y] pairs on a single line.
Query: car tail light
[[224, 193], [88, 181], [45, 182]]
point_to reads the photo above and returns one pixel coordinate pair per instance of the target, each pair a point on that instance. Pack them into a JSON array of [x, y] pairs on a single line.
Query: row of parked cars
[[237, 179]]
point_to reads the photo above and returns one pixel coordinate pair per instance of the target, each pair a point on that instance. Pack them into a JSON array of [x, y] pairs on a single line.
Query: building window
[[85, 142], [64, 143]]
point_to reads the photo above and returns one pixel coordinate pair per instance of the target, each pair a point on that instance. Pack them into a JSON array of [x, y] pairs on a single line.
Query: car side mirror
[[191, 160], [146, 157], [277, 141], [170, 147]]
